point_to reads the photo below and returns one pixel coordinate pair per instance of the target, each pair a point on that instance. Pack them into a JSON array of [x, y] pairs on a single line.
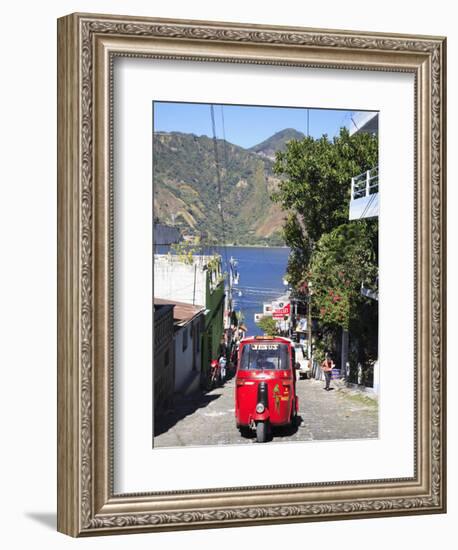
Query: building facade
[[364, 199], [163, 376], [364, 203], [196, 280], [188, 325]]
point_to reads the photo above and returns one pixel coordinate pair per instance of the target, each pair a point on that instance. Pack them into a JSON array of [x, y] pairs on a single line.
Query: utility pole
[[344, 354], [295, 315], [231, 281], [309, 323], [194, 289], [229, 302]]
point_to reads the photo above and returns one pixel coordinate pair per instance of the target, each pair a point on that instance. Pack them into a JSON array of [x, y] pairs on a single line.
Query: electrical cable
[[368, 205], [218, 179]]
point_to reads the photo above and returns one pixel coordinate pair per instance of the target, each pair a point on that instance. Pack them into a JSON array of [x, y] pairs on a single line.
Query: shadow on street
[[183, 406], [287, 431], [275, 431]]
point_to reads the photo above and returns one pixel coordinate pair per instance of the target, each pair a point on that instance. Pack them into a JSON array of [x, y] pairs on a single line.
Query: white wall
[[28, 272], [180, 282]]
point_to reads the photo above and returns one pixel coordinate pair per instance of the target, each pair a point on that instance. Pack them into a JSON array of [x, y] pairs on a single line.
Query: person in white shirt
[[222, 368]]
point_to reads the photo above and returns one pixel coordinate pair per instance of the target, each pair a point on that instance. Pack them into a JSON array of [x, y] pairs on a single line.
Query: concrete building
[[364, 122], [364, 202], [188, 325], [195, 280], [163, 358]]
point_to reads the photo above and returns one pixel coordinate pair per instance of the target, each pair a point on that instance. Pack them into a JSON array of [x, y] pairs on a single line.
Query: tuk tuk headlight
[[260, 408]]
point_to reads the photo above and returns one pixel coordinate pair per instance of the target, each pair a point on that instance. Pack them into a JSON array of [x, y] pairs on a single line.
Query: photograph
[[232, 289], [265, 274]]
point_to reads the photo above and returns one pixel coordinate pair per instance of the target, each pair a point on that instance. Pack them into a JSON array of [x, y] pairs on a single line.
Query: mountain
[[187, 193], [277, 142]]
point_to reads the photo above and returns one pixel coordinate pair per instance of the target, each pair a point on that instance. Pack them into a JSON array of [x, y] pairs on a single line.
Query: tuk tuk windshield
[[265, 356]]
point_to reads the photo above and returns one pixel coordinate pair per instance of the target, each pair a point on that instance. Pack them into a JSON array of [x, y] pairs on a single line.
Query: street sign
[[267, 308], [282, 309]]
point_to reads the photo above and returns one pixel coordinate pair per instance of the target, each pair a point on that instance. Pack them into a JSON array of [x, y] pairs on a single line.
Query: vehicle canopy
[[265, 383], [265, 353]]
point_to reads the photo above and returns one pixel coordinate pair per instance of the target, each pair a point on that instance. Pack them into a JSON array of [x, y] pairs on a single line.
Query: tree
[[268, 325], [315, 189], [343, 259]]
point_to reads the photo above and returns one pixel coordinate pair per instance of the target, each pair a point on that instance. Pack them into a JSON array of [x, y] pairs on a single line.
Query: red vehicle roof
[[250, 339]]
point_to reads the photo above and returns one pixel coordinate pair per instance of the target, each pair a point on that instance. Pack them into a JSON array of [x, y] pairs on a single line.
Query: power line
[[261, 290], [226, 163], [368, 205], [218, 179], [353, 120], [226, 168]]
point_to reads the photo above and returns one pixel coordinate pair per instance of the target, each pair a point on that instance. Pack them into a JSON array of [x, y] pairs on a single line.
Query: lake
[[261, 271]]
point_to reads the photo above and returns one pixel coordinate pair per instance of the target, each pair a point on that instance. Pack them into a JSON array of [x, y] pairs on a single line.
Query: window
[[272, 356]]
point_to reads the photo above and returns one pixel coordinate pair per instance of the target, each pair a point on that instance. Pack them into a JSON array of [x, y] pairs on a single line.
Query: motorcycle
[[215, 374]]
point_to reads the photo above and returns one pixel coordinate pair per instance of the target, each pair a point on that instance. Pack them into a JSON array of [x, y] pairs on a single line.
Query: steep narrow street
[[208, 419]]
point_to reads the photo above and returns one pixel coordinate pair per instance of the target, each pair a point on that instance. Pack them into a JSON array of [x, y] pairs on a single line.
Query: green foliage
[[240, 317], [363, 333], [185, 251], [301, 249], [268, 325], [214, 262], [315, 188], [335, 255], [342, 260], [187, 195]]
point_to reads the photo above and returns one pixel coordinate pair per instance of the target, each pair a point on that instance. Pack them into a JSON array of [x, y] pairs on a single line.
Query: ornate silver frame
[[87, 45]]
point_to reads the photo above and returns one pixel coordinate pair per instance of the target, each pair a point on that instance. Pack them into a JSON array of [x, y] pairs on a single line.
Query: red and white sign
[[282, 309]]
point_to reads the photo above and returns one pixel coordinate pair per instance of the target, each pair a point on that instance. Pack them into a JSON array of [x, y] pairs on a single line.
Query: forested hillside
[[187, 193]]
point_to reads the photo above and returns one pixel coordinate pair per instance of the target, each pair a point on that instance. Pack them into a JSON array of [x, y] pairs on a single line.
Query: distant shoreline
[[249, 246], [232, 246]]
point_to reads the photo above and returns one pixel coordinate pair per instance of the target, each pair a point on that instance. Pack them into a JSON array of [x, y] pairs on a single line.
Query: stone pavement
[[208, 418]]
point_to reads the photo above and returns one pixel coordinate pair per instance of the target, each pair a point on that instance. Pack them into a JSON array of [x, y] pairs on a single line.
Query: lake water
[[261, 273]]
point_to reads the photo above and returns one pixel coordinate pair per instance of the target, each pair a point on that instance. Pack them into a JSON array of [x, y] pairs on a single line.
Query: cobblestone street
[[208, 419]]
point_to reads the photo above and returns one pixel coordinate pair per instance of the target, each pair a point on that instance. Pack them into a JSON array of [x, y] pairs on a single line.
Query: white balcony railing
[[364, 195], [365, 184]]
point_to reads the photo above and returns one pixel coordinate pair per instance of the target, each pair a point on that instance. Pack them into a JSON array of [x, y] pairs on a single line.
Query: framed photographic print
[[251, 274]]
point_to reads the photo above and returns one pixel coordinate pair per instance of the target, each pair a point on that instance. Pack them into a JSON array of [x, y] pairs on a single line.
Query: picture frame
[[87, 46]]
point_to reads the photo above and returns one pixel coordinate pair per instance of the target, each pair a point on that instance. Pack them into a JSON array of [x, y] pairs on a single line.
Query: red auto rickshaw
[[265, 393]]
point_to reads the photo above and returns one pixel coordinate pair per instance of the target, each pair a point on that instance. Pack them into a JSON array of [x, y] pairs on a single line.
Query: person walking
[[222, 368], [327, 366]]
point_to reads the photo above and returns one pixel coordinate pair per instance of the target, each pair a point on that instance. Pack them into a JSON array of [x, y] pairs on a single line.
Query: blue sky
[[246, 125]]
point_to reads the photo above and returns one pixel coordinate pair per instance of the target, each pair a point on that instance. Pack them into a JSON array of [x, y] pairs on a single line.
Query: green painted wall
[[214, 326]]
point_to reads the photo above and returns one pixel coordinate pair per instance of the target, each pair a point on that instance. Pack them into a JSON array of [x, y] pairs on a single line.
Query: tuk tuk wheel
[[261, 432], [294, 417]]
